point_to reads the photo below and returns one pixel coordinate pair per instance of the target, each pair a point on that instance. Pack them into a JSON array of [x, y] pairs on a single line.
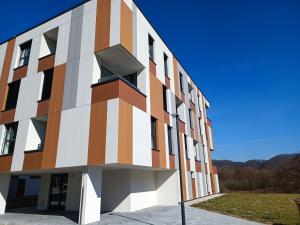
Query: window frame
[[47, 78], [12, 95], [190, 118], [10, 140], [170, 138], [181, 82], [165, 98], [186, 147], [151, 42], [166, 65], [153, 133], [25, 50]]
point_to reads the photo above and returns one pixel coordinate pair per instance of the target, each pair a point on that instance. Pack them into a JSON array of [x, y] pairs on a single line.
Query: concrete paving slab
[[169, 215]]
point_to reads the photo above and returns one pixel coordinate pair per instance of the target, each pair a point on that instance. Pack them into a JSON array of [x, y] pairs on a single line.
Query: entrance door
[[58, 191]]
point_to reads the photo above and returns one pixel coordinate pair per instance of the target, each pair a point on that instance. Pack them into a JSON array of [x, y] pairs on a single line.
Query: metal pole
[[180, 174]]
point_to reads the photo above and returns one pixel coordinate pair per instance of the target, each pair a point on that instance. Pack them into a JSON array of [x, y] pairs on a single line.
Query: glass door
[[58, 191]]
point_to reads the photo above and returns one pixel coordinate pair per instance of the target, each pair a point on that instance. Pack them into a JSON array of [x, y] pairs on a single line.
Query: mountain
[[280, 173], [258, 163]]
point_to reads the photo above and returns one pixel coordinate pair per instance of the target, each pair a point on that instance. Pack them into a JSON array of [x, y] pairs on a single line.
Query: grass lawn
[[264, 208]]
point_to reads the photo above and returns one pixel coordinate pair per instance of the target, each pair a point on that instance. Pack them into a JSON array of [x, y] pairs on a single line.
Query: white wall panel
[[18, 157], [112, 131], [2, 56], [115, 23], [73, 137], [142, 153], [28, 97]]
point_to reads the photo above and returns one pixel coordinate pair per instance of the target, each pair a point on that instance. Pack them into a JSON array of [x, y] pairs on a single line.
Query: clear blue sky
[[245, 56]]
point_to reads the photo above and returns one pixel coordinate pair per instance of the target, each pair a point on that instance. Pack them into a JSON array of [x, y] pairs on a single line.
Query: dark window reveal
[[12, 95], [165, 98], [153, 133], [170, 140], [47, 85]]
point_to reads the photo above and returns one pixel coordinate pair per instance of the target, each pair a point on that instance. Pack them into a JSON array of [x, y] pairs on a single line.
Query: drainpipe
[[180, 174]]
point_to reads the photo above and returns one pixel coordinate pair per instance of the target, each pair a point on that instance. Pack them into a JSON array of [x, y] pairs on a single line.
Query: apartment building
[[88, 100]]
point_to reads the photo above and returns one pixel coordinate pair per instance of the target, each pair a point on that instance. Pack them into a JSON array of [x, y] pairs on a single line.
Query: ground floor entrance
[[58, 191]]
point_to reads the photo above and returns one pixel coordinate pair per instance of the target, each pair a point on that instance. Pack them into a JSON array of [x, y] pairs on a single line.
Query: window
[[196, 150], [186, 147], [181, 82], [12, 95], [165, 98], [47, 84], [170, 140], [36, 133], [166, 64], [191, 97], [198, 103], [24, 53], [132, 78], [200, 126], [191, 118], [151, 47], [49, 42], [153, 133], [9, 138]]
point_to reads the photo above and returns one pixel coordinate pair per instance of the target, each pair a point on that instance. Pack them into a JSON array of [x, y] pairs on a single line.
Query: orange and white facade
[[86, 102]]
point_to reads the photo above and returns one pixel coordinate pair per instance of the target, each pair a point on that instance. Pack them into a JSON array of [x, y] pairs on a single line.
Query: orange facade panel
[[102, 25], [97, 137], [118, 89], [46, 62], [125, 133], [32, 160], [126, 27], [7, 116], [5, 163], [20, 72]]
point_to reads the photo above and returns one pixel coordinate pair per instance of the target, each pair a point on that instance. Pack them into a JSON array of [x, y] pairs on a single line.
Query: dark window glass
[[47, 85], [165, 98], [24, 53], [12, 95], [9, 138], [170, 140], [151, 47], [166, 64], [132, 78], [181, 82], [186, 147], [153, 133]]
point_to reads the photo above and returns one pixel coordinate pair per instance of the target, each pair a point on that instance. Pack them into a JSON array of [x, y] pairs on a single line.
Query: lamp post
[[180, 174]]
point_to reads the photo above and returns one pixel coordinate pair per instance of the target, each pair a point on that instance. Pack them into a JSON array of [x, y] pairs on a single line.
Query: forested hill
[[278, 174]]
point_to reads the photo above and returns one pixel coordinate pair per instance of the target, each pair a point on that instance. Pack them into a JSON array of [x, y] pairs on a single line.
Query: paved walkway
[[151, 216]]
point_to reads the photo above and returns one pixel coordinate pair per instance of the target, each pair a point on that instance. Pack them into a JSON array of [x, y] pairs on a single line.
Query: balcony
[[119, 61], [116, 86]]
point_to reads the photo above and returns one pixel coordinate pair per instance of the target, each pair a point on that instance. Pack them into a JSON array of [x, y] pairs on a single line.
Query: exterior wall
[[122, 190], [107, 124], [4, 185]]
